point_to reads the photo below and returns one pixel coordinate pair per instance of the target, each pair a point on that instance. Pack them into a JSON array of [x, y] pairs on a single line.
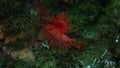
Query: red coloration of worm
[[55, 32]]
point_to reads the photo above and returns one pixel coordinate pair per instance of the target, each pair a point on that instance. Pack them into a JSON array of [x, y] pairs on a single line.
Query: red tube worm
[[55, 32]]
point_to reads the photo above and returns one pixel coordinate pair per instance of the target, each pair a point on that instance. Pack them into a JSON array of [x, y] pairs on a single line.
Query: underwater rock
[[25, 54], [2, 34]]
